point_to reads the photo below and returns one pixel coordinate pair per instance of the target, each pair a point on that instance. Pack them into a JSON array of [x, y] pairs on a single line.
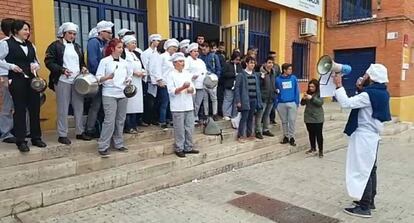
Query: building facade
[[270, 25], [361, 32]]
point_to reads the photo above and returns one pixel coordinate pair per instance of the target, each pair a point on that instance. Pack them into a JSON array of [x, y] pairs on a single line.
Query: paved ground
[[309, 182]]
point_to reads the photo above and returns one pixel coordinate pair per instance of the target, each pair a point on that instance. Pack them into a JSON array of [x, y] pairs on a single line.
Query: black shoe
[[292, 142], [104, 154], [371, 206], [320, 154], [155, 123], [122, 149], [216, 118], [193, 151], [310, 151], [268, 133], [259, 135], [39, 143], [83, 136], [143, 124], [64, 140], [358, 211], [273, 122], [93, 135], [23, 148], [180, 154], [285, 140], [164, 126], [10, 140]]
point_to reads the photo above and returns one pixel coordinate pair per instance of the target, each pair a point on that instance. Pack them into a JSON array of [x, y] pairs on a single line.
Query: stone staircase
[[64, 179]]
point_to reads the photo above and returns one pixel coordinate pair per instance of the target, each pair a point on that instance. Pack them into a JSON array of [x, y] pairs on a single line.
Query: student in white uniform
[[64, 59], [135, 106], [151, 94], [164, 69], [183, 45], [181, 90], [198, 69], [6, 115], [114, 73], [370, 109]]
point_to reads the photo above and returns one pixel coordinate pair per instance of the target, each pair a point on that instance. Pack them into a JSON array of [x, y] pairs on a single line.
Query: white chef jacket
[[184, 100]]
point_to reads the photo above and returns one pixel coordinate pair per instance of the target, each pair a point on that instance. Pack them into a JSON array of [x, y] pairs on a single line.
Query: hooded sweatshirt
[[288, 89]]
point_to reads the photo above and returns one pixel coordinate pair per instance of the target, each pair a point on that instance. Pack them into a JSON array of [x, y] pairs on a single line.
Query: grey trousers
[[287, 113], [183, 130], [6, 115], [228, 106], [93, 112], [213, 96], [66, 95], [113, 124], [198, 99], [263, 117]]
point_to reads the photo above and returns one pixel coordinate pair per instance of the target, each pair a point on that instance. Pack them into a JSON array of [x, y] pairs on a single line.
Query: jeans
[[370, 189], [228, 103], [246, 122], [315, 134], [132, 120], [164, 99], [263, 115]]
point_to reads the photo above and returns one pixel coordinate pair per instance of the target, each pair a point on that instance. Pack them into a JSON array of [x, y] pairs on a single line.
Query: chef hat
[[378, 73], [177, 56], [67, 26], [121, 33], [154, 37], [184, 43], [171, 43], [93, 33], [128, 38], [104, 26], [191, 47]]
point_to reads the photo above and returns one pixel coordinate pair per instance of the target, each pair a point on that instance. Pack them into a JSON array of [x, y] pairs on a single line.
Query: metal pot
[[38, 84], [130, 90], [86, 84]]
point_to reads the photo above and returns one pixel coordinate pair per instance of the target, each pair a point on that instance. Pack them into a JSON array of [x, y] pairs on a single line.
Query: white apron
[[136, 103], [360, 159]]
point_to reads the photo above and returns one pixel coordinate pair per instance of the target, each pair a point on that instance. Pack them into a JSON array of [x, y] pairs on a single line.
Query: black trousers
[[370, 189], [25, 99], [315, 134], [150, 109]]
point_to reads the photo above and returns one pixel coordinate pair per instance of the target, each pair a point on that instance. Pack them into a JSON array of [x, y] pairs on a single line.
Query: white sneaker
[[227, 118]]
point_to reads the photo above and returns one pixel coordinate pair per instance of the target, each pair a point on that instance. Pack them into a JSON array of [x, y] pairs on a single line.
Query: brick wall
[[391, 17], [20, 9], [292, 34]]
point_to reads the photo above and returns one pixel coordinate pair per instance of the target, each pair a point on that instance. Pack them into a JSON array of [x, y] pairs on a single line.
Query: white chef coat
[[196, 67], [136, 103], [122, 73], [184, 100], [363, 143]]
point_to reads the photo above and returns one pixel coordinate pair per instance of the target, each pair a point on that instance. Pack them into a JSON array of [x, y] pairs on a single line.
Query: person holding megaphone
[[370, 109]]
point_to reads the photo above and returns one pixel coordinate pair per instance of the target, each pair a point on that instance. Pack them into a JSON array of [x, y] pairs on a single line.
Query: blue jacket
[[212, 62], [241, 91], [288, 89], [95, 53]]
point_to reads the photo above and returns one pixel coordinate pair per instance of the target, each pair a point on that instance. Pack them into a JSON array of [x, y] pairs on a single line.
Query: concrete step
[[60, 190], [403, 137], [177, 176], [395, 128]]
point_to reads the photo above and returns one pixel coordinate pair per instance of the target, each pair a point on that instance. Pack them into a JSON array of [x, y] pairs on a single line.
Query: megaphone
[[326, 65]]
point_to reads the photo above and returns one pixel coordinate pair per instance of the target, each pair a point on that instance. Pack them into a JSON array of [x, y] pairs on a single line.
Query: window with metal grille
[[206, 11], [259, 29], [300, 59], [129, 14], [355, 9]]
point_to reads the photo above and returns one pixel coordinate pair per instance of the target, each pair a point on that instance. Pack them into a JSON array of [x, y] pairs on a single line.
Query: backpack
[[211, 128]]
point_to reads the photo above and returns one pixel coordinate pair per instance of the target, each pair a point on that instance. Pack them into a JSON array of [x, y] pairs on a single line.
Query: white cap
[[93, 33], [104, 26], [184, 43], [128, 38], [121, 33], [154, 37], [67, 26], [177, 56], [191, 47], [171, 43], [378, 73]]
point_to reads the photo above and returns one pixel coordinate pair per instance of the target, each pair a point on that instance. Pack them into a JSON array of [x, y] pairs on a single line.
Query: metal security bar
[[355, 9], [301, 59]]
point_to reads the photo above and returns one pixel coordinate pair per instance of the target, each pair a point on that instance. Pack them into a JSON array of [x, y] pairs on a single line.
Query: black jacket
[[229, 76], [54, 61], [267, 84]]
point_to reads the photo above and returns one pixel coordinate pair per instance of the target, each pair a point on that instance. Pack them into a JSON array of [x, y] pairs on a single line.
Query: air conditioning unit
[[308, 27]]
